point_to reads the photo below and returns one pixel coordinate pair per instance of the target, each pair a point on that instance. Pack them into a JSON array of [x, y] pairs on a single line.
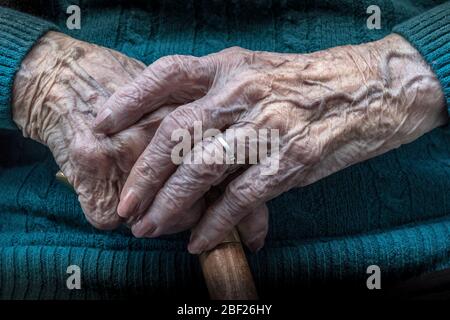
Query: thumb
[[171, 79]]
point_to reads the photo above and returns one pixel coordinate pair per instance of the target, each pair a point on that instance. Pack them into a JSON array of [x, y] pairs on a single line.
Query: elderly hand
[[332, 109], [57, 92]]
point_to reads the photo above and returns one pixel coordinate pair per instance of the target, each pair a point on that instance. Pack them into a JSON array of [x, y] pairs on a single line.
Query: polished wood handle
[[225, 268], [226, 271]]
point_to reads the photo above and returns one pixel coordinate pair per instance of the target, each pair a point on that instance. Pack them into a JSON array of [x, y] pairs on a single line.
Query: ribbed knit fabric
[[18, 33], [430, 33], [393, 210]]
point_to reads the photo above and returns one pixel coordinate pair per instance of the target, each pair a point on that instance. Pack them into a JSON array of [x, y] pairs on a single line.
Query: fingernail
[[129, 205], [136, 229], [255, 245], [197, 245], [102, 122], [139, 230]]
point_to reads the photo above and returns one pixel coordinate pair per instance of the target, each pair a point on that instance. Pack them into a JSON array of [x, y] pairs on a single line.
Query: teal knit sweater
[[392, 211]]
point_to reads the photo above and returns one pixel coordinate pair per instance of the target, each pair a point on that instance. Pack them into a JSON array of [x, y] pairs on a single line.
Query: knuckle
[[162, 70], [194, 173], [169, 212], [234, 53], [249, 86], [127, 99], [237, 199], [308, 152], [87, 154], [258, 90], [166, 62], [181, 68], [240, 56], [200, 174], [162, 149], [174, 120], [145, 172], [173, 64], [233, 50], [182, 117], [223, 221], [169, 201], [188, 64]]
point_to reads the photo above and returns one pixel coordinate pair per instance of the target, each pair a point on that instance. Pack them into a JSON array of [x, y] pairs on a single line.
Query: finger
[[188, 183], [131, 142], [171, 79], [155, 165], [253, 228], [192, 215], [247, 192]]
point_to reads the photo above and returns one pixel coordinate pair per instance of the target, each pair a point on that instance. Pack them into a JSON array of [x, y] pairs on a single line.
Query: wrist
[[38, 73], [376, 96], [409, 78], [407, 100]]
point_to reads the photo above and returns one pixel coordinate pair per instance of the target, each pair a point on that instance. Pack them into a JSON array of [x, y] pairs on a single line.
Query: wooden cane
[[226, 271], [225, 268]]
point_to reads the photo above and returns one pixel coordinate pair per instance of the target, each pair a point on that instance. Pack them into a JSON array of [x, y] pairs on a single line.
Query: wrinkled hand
[[57, 92], [332, 108]]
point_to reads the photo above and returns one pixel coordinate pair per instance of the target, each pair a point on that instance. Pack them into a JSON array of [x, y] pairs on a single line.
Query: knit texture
[[430, 33], [18, 33], [393, 210]]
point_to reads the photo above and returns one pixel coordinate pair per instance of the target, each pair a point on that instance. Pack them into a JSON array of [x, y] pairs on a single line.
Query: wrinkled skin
[[333, 108], [61, 85], [57, 92]]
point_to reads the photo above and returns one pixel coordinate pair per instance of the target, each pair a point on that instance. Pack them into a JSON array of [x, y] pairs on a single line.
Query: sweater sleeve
[[430, 34], [18, 33]]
